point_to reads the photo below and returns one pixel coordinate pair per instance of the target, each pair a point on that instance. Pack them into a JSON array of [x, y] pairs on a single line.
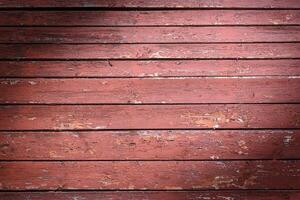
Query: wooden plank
[[149, 34], [150, 145], [147, 51], [156, 175], [150, 4], [98, 117], [152, 90], [149, 68], [154, 195], [149, 18]]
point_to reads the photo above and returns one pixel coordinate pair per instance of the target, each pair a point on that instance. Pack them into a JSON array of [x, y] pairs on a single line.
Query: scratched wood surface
[[149, 34], [154, 195], [150, 145], [152, 4], [101, 117], [138, 91], [150, 51], [162, 99], [155, 175], [150, 18], [149, 68]]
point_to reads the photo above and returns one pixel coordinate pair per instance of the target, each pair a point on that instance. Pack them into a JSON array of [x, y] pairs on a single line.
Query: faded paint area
[[149, 100]]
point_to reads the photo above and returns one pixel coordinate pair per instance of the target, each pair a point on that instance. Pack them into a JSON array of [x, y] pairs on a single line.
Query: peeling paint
[[32, 118], [32, 82], [288, 139]]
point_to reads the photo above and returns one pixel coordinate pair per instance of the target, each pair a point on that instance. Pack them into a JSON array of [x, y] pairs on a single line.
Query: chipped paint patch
[[32, 82], [100, 127], [287, 140], [222, 181], [10, 82], [214, 157], [173, 188], [32, 118], [225, 198], [209, 120]]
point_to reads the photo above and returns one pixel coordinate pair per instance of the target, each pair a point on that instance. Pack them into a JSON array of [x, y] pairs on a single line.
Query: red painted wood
[[149, 68], [171, 175], [154, 195], [149, 18], [27, 130], [139, 91], [147, 51], [150, 116], [150, 145], [152, 4], [149, 34]]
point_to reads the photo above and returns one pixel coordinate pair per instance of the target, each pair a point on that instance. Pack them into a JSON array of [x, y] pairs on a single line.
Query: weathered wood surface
[[156, 175], [150, 51], [96, 147], [78, 117], [150, 145], [149, 34], [150, 68], [155, 195], [149, 18], [150, 4], [152, 90]]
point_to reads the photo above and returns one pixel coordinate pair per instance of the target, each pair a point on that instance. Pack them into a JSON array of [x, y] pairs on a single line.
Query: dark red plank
[[149, 68], [152, 90], [149, 34], [151, 4], [150, 145], [150, 116], [170, 175], [149, 18], [154, 195], [147, 51]]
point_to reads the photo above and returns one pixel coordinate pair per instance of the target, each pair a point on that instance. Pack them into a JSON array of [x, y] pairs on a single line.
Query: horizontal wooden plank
[[149, 34], [149, 116], [150, 145], [154, 195], [149, 18], [150, 4], [170, 175], [149, 68], [152, 90], [150, 51]]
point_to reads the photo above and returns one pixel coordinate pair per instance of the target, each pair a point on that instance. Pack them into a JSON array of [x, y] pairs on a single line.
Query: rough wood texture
[[154, 195], [150, 51], [149, 34], [150, 116], [169, 175], [151, 4], [163, 139], [150, 18], [149, 68], [153, 90], [150, 145]]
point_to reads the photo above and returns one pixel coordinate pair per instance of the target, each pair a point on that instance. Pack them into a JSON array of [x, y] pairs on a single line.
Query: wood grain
[[154, 195], [149, 34], [153, 90], [150, 18], [150, 51], [149, 68], [148, 175], [150, 145], [134, 95], [150, 4], [76, 117]]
